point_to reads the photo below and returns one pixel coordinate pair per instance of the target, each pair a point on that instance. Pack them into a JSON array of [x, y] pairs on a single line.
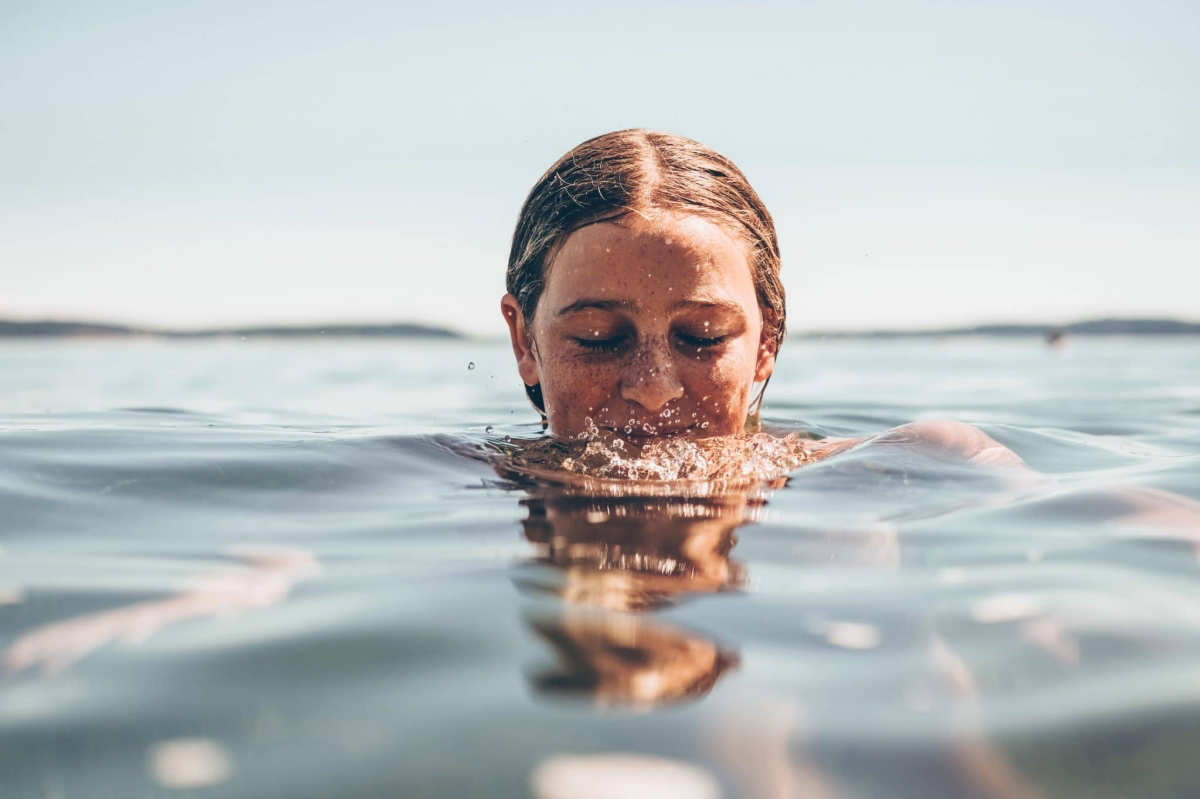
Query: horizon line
[[78, 328]]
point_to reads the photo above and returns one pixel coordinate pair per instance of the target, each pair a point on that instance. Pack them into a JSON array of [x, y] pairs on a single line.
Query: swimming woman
[[645, 307], [644, 299]]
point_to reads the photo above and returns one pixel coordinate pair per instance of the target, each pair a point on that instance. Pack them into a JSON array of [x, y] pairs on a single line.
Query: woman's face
[[648, 327]]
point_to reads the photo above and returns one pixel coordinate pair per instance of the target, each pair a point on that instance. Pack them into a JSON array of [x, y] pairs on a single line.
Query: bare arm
[[1136, 507]]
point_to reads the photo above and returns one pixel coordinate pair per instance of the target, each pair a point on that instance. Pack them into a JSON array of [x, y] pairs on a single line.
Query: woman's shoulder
[[959, 439], [939, 436]]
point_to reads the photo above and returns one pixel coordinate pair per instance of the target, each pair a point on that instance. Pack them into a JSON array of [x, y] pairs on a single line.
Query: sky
[[928, 163]]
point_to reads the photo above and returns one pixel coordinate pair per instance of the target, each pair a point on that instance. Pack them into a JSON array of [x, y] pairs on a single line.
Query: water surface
[[261, 569]]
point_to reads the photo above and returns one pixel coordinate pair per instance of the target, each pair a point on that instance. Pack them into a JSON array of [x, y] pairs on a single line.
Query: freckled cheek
[[574, 389], [720, 394]]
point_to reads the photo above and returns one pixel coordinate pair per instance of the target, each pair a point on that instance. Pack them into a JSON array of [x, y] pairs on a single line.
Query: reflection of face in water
[[622, 554], [636, 553], [627, 660]]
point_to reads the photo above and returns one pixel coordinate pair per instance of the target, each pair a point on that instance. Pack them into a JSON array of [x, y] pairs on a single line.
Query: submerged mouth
[[640, 434]]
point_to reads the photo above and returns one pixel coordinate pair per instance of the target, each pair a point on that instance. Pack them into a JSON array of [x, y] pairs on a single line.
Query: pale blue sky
[[927, 163]]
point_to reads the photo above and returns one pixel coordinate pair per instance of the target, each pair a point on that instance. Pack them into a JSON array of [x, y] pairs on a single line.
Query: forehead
[[646, 261]]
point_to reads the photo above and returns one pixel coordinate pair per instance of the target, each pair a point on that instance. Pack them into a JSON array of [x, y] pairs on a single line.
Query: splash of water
[[603, 454]]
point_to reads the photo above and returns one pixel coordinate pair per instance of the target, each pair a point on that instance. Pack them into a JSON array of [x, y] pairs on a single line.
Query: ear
[[522, 342], [766, 359]]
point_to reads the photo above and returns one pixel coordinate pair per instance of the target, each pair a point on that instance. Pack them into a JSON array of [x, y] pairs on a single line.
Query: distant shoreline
[[78, 329], [1091, 327], [59, 329]]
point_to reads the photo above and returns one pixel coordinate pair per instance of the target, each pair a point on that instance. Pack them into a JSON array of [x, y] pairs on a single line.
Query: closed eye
[[602, 344], [701, 342]]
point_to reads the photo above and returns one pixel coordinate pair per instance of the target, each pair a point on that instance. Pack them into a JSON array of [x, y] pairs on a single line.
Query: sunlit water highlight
[[307, 569]]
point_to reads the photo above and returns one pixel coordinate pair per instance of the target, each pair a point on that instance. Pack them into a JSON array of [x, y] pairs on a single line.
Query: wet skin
[[649, 326]]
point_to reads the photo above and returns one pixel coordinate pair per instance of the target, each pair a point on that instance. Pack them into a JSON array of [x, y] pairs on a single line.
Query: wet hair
[[639, 171]]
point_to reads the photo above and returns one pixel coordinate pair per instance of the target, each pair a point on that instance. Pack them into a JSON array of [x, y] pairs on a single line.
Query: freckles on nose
[[649, 377]]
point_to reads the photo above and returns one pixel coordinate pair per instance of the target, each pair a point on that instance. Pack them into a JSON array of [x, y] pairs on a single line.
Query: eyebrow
[[588, 303], [708, 305]]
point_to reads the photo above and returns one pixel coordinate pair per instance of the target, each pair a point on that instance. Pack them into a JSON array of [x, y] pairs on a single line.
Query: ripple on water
[[746, 618]]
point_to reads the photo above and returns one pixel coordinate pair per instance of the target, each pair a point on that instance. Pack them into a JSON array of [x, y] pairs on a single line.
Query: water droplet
[[703, 425], [471, 365], [508, 438], [628, 429], [489, 429]]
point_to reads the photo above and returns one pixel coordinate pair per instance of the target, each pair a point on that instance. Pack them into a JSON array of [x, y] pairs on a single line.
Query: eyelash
[[611, 344], [701, 342], [600, 345]]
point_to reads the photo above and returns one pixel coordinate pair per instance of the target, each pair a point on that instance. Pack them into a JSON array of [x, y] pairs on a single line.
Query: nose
[[650, 378]]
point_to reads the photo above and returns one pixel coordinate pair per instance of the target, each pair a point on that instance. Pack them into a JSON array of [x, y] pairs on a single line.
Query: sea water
[[296, 568]]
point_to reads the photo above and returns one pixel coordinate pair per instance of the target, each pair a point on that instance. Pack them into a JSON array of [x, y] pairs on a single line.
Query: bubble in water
[[628, 429], [703, 425], [489, 429], [471, 365]]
